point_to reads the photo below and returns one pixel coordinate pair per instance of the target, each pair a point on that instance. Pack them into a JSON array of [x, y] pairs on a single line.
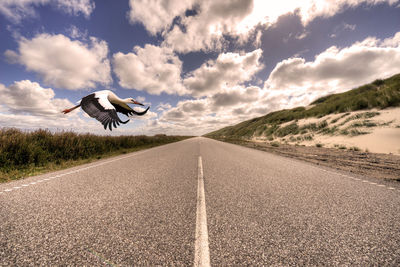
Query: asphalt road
[[142, 209]]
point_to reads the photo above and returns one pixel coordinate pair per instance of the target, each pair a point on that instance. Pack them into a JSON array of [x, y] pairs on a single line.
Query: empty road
[[199, 202]]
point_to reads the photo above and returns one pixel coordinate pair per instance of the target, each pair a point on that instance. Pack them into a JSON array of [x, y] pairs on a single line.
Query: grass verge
[[25, 154]]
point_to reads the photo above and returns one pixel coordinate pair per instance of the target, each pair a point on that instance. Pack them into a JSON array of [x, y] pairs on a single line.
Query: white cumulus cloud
[[205, 27], [157, 15], [339, 69], [293, 82], [64, 63], [26, 97], [152, 69], [228, 70], [17, 10]]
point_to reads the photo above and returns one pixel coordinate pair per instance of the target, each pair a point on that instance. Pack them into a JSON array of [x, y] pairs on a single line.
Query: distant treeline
[[22, 149]]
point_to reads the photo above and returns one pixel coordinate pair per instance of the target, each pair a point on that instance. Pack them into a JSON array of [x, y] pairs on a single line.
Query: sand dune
[[375, 131]]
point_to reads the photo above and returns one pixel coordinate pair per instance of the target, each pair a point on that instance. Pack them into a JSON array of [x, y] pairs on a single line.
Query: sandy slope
[[381, 135]]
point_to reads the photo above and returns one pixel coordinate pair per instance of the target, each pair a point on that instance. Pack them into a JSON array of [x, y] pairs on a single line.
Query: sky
[[199, 64]]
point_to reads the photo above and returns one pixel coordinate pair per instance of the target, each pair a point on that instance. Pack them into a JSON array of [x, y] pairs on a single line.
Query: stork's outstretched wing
[[127, 112], [98, 107]]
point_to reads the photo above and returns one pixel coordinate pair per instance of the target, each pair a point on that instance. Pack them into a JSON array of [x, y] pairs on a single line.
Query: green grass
[[292, 128], [275, 144], [29, 153], [365, 123], [379, 94]]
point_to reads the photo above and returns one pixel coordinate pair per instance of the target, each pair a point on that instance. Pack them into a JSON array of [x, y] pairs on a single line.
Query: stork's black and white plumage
[[104, 105]]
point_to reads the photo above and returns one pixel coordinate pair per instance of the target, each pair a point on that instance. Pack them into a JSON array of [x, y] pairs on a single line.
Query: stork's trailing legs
[[68, 110]]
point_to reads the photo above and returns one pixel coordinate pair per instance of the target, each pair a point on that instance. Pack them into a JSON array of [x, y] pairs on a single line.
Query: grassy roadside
[[25, 154]]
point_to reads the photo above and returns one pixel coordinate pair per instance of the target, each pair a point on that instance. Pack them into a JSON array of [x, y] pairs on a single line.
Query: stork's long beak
[[137, 103]]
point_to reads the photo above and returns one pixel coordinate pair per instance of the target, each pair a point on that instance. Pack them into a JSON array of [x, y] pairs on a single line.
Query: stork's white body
[[104, 105]]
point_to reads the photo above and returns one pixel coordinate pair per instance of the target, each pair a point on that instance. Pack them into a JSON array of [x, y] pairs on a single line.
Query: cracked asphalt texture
[[262, 209]]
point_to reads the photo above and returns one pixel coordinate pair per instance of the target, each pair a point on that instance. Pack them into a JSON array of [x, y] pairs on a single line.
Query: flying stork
[[104, 105]]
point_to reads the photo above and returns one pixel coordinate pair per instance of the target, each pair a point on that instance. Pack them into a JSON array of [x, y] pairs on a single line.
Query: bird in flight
[[104, 105]]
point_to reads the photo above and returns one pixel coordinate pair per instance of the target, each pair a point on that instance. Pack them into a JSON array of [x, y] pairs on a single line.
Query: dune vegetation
[[24, 153], [379, 94]]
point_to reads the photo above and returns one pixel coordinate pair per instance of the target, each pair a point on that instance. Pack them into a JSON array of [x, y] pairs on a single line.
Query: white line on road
[[75, 171], [201, 250], [357, 179]]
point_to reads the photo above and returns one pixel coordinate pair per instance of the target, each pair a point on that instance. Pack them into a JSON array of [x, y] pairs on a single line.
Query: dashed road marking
[[358, 179], [202, 253], [71, 172]]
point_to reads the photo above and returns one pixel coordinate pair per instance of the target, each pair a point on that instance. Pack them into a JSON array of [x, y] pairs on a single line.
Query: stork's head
[[133, 101]]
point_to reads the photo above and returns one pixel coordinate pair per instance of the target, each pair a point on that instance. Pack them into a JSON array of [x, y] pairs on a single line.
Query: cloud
[[302, 35], [152, 69], [308, 10], [342, 27], [64, 63], [18, 10], [163, 106], [219, 83], [76, 33], [228, 70], [210, 21], [392, 42], [158, 15], [76, 7], [337, 70], [293, 82], [235, 96], [26, 97], [231, 106], [204, 31]]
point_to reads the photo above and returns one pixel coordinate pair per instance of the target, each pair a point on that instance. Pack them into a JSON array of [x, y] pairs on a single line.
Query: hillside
[[335, 120]]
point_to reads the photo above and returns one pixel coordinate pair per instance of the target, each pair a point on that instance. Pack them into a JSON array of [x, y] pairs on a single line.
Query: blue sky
[[200, 65]]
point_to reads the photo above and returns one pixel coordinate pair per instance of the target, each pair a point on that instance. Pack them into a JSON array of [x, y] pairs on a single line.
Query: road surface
[[199, 202]]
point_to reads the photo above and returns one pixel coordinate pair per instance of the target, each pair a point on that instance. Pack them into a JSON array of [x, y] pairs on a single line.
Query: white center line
[[201, 250]]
